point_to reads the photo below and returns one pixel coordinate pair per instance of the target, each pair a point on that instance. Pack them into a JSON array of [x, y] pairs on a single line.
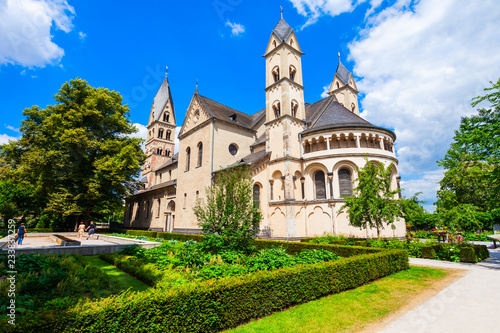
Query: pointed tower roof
[[282, 30], [161, 98], [343, 73]]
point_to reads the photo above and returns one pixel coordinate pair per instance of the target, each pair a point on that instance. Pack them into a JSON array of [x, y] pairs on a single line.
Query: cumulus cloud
[[12, 128], [25, 31], [428, 184], [142, 133], [236, 28], [4, 138], [82, 35], [420, 64], [313, 9]]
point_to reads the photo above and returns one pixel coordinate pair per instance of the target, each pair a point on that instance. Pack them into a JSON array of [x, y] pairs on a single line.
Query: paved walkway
[[470, 304]]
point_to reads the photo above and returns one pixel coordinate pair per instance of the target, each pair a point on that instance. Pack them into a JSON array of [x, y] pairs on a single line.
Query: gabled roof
[[258, 116], [248, 160], [343, 74], [161, 98], [260, 139], [282, 30], [170, 161], [222, 112]]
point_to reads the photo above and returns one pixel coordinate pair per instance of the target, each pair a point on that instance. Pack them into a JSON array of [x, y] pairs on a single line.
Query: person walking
[[20, 234], [91, 228], [81, 230]]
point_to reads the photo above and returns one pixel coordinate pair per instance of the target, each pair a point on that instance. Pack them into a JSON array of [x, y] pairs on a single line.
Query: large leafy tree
[[229, 210], [373, 202], [472, 162], [77, 154]]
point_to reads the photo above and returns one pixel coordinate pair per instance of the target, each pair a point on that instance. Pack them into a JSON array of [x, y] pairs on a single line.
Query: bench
[[495, 240]]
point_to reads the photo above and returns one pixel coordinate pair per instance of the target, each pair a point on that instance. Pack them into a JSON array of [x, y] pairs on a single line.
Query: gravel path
[[470, 304]]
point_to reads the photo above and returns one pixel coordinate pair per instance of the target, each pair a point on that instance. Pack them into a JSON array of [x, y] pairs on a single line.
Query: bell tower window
[[276, 73], [166, 116], [168, 135], [353, 107], [292, 73], [276, 109], [294, 108], [160, 133]]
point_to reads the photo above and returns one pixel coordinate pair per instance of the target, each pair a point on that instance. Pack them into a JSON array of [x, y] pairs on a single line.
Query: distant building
[[302, 156]]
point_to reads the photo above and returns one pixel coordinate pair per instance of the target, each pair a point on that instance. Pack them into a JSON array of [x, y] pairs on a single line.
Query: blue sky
[[417, 63]]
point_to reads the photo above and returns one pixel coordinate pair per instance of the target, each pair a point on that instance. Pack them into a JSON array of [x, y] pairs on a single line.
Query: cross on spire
[[166, 71], [281, 11]]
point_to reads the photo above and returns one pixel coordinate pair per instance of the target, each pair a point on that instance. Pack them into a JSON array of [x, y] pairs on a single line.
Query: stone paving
[[470, 304]]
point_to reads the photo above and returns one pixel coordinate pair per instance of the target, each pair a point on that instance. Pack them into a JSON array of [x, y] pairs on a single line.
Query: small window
[[256, 195], [200, 153], [338, 85], [188, 158], [294, 108], [292, 73], [166, 117], [353, 107], [276, 73], [274, 43], [345, 182], [158, 208], [168, 135], [233, 149], [277, 109], [291, 42], [319, 185]]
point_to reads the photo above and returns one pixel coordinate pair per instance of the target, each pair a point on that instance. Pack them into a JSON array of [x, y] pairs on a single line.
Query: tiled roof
[[313, 110], [161, 98], [282, 30], [222, 112], [343, 74], [158, 186], [170, 161], [260, 139], [248, 160]]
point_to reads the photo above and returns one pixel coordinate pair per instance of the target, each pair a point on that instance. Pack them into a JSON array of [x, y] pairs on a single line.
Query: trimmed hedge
[[137, 268], [157, 234], [468, 253], [296, 247], [214, 306]]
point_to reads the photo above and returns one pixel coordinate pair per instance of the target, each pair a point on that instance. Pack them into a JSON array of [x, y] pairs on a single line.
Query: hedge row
[[156, 234], [214, 306], [296, 247], [137, 268], [470, 253]]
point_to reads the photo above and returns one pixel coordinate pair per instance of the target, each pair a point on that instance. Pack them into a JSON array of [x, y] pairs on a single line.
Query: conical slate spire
[[282, 30]]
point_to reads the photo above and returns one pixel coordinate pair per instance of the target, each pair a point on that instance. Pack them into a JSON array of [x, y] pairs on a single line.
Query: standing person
[[81, 229], [91, 228], [20, 234]]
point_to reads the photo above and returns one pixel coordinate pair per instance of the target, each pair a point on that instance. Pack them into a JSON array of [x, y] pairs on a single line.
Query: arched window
[[294, 108], [276, 73], [353, 107], [291, 42], [200, 153], [292, 73], [185, 200], [256, 195], [158, 209], [166, 117], [160, 133], [345, 182], [168, 135], [319, 185], [167, 153], [338, 85], [188, 158], [276, 109], [274, 43]]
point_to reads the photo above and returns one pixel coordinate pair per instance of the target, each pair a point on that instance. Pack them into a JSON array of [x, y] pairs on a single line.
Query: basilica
[[302, 156]]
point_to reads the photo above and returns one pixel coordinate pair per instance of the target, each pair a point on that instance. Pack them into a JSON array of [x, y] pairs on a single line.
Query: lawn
[[123, 280], [353, 310]]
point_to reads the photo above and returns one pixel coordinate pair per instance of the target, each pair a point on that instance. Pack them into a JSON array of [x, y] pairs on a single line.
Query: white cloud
[[236, 28], [420, 64], [176, 141], [326, 89], [313, 9], [12, 128], [427, 184], [4, 138], [82, 35], [25, 31]]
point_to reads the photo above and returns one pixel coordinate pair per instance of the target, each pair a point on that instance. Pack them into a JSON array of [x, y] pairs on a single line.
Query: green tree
[[77, 154], [373, 203], [229, 210], [472, 162], [412, 210]]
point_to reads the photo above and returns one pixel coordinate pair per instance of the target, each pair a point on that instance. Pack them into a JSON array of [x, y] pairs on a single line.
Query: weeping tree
[[373, 203], [229, 210]]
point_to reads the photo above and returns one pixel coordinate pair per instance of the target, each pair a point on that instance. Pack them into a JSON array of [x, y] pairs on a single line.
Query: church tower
[[161, 133], [344, 88], [285, 109]]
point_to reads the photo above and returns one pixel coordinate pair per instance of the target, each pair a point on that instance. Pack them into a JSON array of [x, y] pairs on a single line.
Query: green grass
[[352, 310], [123, 280]]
